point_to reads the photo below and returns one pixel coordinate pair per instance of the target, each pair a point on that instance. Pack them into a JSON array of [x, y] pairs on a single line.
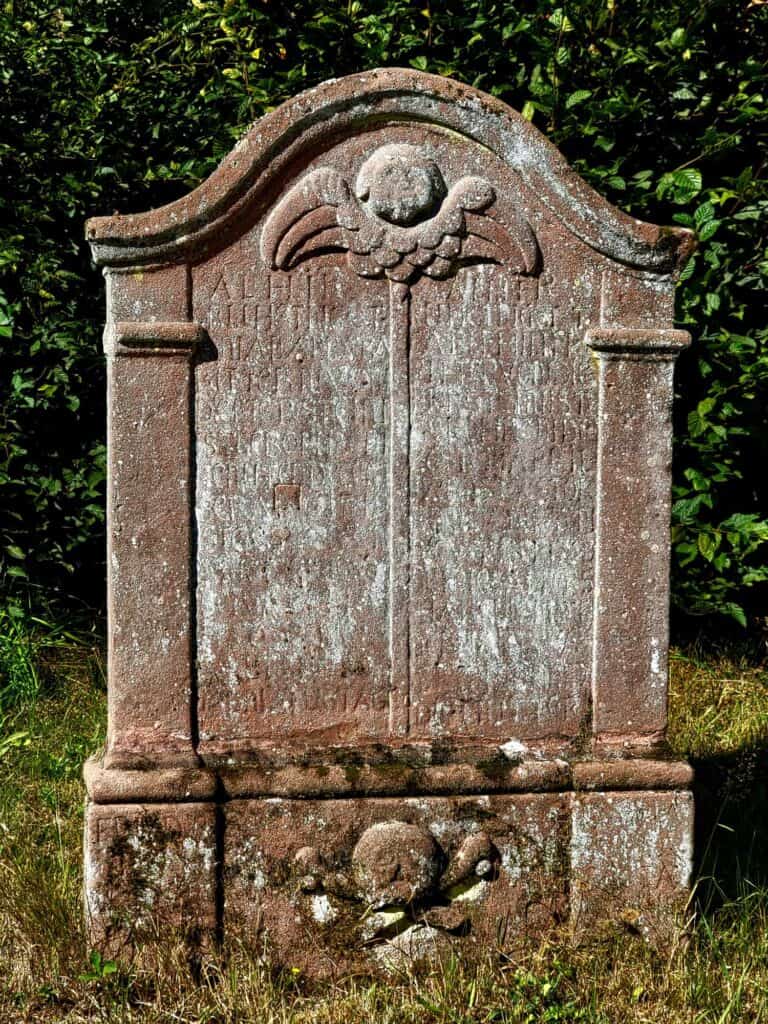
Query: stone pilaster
[[150, 551], [631, 610]]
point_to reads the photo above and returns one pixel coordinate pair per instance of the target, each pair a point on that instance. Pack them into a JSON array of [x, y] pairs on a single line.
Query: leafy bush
[[124, 104]]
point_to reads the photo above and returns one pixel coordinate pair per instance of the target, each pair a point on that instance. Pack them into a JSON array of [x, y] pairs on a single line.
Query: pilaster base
[[150, 869]]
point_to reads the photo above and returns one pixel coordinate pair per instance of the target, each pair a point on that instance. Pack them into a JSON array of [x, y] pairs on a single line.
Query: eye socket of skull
[[401, 185]]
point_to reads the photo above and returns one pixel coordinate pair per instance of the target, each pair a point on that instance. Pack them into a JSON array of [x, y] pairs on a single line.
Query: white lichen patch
[[323, 911], [379, 921], [514, 750], [657, 677], [249, 862], [415, 944], [472, 891], [198, 853]]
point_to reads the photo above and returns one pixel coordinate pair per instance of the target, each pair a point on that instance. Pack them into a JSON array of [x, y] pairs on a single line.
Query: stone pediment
[[249, 175]]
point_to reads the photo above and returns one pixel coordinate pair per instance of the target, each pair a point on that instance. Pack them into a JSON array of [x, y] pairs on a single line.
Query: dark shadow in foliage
[[730, 789], [731, 825]]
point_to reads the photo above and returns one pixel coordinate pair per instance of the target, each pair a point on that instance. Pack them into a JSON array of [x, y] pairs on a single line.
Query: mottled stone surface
[[149, 867], [388, 513], [631, 860], [468, 869]]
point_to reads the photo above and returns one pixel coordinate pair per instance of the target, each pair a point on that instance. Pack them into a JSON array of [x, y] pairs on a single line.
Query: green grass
[[53, 717], [718, 703]]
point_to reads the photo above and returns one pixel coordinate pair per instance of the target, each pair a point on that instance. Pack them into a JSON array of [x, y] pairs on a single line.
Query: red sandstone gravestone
[[389, 435]]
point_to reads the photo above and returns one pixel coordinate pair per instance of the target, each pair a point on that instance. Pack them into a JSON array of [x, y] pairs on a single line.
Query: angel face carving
[[400, 184], [401, 220]]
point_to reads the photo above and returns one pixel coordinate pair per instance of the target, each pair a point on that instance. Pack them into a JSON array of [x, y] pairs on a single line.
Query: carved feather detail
[[321, 213]]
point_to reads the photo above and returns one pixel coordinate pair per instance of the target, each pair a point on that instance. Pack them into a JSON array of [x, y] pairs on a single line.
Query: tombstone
[[389, 478]]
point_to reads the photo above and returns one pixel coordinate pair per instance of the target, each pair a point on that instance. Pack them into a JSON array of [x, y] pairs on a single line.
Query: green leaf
[[707, 544], [735, 611], [688, 270], [689, 179], [703, 213], [15, 741], [706, 405], [707, 230], [577, 97], [741, 521], [683, 184]]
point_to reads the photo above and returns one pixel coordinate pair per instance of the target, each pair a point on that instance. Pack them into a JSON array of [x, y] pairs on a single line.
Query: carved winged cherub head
[[400, 221]]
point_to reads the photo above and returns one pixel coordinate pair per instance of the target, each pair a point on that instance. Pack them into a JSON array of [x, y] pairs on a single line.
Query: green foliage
[[99, 969], [720, 530], [26, 645], [116, 104], [13, 741], [19, 678], [540, 996]]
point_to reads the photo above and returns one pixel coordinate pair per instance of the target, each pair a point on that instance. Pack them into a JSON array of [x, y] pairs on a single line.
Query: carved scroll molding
[[341, 107]]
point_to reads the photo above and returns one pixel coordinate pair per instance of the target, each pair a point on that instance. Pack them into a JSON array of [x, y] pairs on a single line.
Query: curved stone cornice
[[183, 229]]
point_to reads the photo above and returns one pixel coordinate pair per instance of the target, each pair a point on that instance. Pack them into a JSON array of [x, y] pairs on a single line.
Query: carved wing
[[317, 214], [464, 233], [321, 213]]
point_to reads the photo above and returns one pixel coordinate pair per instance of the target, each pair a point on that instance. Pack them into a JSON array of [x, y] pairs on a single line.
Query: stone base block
[[333, 885], [631, 861], [150, 867], [330, 884]]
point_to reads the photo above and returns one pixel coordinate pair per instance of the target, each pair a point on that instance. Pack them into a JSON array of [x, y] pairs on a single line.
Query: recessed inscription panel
[[395, 458], [502, 478], [292, 513]]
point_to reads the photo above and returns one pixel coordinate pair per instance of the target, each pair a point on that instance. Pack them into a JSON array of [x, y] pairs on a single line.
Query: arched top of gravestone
[[185, 229]]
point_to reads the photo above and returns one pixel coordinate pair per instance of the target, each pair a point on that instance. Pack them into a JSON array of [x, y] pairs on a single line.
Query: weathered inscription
[[292, 504], [395, 471], [502, 514], [296, 575]]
